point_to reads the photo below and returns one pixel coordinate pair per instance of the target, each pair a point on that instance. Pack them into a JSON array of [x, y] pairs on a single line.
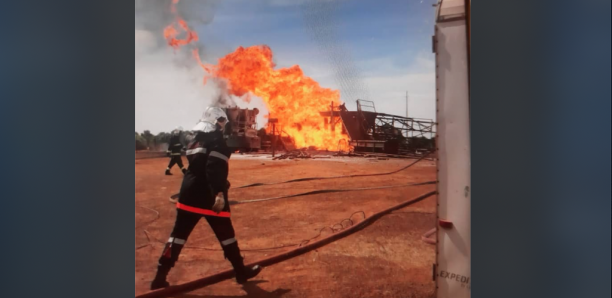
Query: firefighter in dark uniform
[[174, 150], [204, 194]]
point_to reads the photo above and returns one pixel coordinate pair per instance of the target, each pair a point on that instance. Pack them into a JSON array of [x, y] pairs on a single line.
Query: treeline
[[148, 141]]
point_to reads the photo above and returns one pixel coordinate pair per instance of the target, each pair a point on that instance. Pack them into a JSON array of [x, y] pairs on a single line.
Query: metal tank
[[241, 131]]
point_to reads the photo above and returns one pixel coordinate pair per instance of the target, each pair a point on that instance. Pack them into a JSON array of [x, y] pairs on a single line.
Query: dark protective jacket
[[206, 176], [175, 145]]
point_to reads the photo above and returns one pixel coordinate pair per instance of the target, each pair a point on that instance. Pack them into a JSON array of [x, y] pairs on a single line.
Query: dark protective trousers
[[175, 159], [185, 222]]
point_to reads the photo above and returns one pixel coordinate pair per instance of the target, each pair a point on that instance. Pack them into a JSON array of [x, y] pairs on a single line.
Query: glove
[[219, 203]]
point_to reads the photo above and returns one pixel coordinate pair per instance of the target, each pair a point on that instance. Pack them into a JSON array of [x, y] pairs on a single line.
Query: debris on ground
[[380, 156], [293, 155], [307, 153], [349, 154]]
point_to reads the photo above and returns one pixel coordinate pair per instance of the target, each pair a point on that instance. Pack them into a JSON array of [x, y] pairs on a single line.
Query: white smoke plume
[[169, 88]]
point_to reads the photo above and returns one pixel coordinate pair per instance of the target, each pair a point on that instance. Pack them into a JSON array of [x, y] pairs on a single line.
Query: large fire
[[290, 96]]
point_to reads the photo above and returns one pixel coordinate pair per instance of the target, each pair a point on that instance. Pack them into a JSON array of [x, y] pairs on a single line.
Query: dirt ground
[[386, 259]]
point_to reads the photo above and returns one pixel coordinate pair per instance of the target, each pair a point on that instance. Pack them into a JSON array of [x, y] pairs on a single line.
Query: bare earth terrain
[[386, 259]]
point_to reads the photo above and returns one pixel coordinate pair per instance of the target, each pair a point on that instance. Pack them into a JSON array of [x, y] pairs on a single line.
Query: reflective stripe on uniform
[[228, 241], [218, 155], [196, 151], [175, 154], [202, 211], [176, 241]]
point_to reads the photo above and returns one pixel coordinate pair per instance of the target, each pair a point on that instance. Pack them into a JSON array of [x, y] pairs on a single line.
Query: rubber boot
[[243, 273], [166, 262], [160, 278], [247, 273], [168, 173]]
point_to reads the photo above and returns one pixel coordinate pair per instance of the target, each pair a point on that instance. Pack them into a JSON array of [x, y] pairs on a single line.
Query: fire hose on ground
[[335, 177], [320, 191], [334, 228], [175, 196], [216, 278]]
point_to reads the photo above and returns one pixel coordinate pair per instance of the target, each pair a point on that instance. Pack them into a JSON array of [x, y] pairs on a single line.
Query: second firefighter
[[175, 150]]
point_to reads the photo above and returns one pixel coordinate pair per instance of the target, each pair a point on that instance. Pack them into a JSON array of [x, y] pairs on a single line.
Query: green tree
[[149, 138], [141, 143], [162, 138]]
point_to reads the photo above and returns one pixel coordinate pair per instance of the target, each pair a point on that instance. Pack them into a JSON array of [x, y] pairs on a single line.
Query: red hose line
[[216, 278]]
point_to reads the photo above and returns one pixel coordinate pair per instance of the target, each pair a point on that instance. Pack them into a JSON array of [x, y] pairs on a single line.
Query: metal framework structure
[[379, 132], [388, 126], [410, 134]]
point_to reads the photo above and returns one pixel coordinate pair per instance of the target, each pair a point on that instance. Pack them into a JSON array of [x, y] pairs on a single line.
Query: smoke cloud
[[169, 87], [155, 15]]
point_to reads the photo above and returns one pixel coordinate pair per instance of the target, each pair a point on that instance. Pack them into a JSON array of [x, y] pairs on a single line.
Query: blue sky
[[388, 43], [369, 29]]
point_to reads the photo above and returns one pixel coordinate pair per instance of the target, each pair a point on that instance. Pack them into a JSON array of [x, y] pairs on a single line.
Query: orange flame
[[290, 96], [171, 31]]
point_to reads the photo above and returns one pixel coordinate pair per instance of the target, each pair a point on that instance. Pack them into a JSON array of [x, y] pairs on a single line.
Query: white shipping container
[[452, 268]]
